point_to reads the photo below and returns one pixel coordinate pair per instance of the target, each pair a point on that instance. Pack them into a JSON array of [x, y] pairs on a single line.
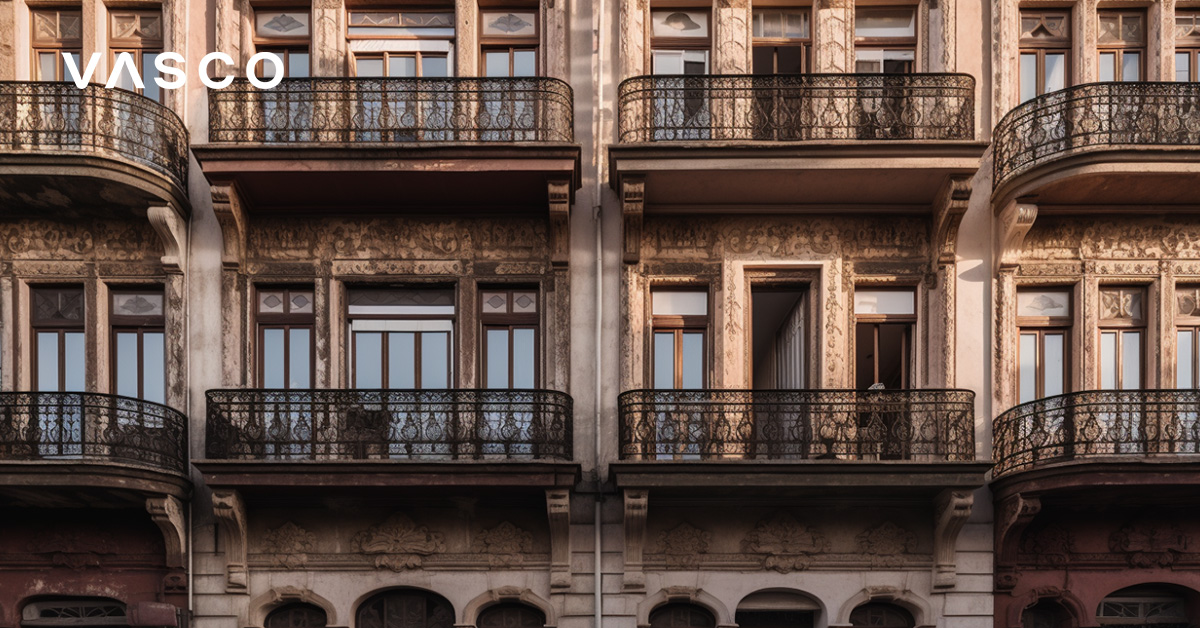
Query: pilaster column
[[329, 38]]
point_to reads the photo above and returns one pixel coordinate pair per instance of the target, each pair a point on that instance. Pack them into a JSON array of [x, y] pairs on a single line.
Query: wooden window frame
[[1041, 48], [803, 43], [511, 322], [60, 328], [1187, 323], [892, 43], [284, 53], [401, 37], [1041, 326], [140, 325], [678, 325], [500, 43], [1119, 49], [386, 57], [1121, 327], [668, 44], [284, 47], [1193, 54], [287, 321], [452, 362], [56, 47], [880, 319], [510, 49]]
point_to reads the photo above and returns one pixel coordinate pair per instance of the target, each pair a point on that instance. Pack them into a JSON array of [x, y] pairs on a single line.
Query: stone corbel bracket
[[230, 512], [1012, 225], [636, 503], [558, 508], [171, 228], [952, 508], [167, 514], [231, 215], [633, 203], [948, 212], [560, 222], [1013, 516]]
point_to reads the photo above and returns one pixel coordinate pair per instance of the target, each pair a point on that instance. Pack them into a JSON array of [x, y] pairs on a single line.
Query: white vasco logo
[[125, 63]]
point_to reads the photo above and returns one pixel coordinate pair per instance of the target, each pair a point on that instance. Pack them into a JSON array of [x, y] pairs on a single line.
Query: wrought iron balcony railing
[[92, 427], [1098, 423], [798, 107], [389, 425], [872, 425], [59, 117], [393, 110], [1097, 116]]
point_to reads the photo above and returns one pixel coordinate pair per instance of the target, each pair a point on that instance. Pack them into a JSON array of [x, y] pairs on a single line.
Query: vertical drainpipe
[[598, 225]]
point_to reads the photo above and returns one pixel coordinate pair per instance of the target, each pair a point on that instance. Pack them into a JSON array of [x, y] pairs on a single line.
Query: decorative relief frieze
[[288, 545], [128, 241], [785, 544], [683, 545], [504, 545], [1146, 545], [398, 544], [886, 544]]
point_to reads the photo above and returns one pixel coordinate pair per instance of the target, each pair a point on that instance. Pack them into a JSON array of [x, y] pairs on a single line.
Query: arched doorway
[[679, 615], [296, 615], [76, 612], [511, 615], [1046, 613], [777, 609], [405, 608], [881, 615], [1150, 605]]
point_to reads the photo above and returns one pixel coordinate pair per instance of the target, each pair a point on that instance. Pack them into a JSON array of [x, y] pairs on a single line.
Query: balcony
[[795, 143], [447, 142], [464, 437], [779, 438], [88, 150], [1098, 437], [1102, 146], [60, 448]]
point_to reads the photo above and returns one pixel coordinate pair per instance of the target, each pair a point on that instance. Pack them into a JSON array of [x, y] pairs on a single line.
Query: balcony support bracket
[[230, 512], [636, 502], [633, 202], [948, 212], [167, 514], [172, 230], [1013, 224], [558, 508], [952, 509], [228, 207], [560, 222], [1013, 514]]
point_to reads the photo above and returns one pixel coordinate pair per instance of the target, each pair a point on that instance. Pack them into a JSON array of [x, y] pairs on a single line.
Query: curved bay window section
[[405, 608]]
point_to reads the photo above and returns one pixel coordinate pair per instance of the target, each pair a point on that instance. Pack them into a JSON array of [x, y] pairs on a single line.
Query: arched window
[[76, 612], [511, 616], [1046, 614], [682, 616], [405, 608], [881, 615], [777, 609], [1160, 606], [296, 616]]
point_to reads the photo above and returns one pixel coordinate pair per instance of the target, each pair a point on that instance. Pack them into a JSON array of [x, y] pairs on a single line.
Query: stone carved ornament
[[788, 546], [505, 544], [289, 545], [73, 550], [398, 543], [683, 544], [886, 543], [1052, 544], [1149, 545]]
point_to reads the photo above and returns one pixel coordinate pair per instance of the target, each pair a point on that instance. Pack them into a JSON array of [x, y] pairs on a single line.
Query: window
[[777, 338], [55, 32], [777, 609], [680, 615], [398, 43], [508, 40], [285, 330], [1046, 613], [1122, 338], [85, 611], [1161, 606], [782, 39], [885, 39], [405, 608], [1045, 44], [296, 616], [1044, 321], [510, 338], [1187, 337], [508, 615], [679, 41], [1187, 45], [883, 337], [58, 339], [680, 339], [138, 353], [138, 33], [285, 33], [881, 615], [1122, 45], [401, 337]]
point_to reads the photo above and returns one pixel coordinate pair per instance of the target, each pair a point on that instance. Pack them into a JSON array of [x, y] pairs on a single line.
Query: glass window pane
[[272, 358], [885, 22], [1131, 66], [679, 23], [1131, 360], [74, 359], [791, 60], [435, 66], [435, 360], [423, 301], [368, 67], [1108, 66], [1056, 71], [509, 24], [154, 371], [297, 63], [1028, 76], [48, 66], [497, 359], [1184, 359], [300, 358], [666, 62], [764, 60], [1055, 365], [149, 73], [402, 360], [1028, 369], [524, 358], [402, 66], [47, 361], [1041, 303], [664, 360], [127, 364], [1182, 68], [368, 360], [693, 360], [124, 77], [281, 23], [74, 57], [496, 63], [1108, 360], [695, 62], [884, 302], [672, 303], [524, 63]]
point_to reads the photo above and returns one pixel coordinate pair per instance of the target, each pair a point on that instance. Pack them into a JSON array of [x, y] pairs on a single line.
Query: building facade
[[555, 313]]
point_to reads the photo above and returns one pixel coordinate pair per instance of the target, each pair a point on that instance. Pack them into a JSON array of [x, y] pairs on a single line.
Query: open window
[[680, 339], [884, 321], [777, 609], [778, 338]]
